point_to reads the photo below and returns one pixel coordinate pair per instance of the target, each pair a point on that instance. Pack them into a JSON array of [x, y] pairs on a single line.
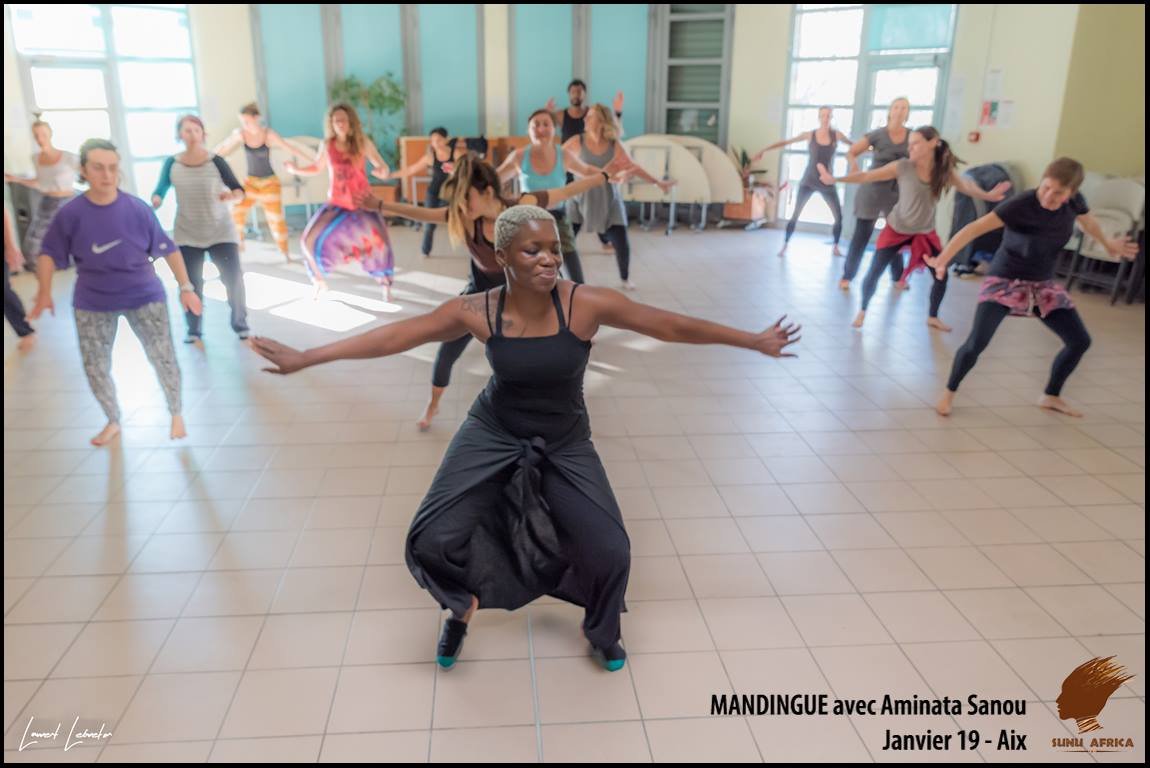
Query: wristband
[[187, 288]]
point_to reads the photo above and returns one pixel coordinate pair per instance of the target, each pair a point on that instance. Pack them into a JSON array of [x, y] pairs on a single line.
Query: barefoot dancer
[[261, 185], [524, 454], [112, 238], [821, 145], [55, 180], [1021, 281], [921, 181], [340, 231]]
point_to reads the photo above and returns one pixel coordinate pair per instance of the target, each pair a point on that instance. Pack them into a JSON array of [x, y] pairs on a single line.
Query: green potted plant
[[743, 162]]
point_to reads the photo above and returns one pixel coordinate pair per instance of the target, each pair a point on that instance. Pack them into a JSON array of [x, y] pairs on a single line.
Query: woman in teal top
[[543, 165]]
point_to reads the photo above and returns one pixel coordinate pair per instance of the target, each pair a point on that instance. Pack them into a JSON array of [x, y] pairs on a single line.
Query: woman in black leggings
[[1021, 282], [822, 141]]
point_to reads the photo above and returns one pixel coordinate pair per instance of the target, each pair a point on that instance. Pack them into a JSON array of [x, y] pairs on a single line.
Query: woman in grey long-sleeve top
[[204, 186]]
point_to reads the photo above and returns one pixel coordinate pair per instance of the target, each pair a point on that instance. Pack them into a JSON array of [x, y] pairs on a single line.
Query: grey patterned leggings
[[97, 332]]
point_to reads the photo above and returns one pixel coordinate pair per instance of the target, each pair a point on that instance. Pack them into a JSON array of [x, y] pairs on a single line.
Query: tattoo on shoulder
[[473, 303]]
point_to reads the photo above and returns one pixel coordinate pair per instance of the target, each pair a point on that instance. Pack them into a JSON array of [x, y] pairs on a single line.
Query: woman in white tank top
[[56, 172]]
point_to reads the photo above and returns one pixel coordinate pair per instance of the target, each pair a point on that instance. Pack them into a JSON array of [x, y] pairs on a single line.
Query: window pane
[[703, 123], [151, 134], [917, 118], [836, 33], [71, 128], [151, 32], [823, 82], [904, 27], [799, 120], [698, 8], [695, 82], [145, 175], [157, 86], [59, 88], [58, 29], [919, 85], [696, 40]]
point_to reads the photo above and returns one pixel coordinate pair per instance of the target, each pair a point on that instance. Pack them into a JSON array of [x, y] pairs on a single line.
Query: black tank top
[[572, 126], [820, 153], [536, 388], [259, 161], [438, 175]]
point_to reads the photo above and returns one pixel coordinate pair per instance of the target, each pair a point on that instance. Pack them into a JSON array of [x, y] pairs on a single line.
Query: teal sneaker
[[450, 642]]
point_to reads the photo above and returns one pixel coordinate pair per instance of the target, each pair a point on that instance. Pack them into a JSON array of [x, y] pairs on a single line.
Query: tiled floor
[[797, 526]]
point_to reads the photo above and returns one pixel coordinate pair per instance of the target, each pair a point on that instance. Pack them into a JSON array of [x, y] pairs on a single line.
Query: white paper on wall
[[992, 88]]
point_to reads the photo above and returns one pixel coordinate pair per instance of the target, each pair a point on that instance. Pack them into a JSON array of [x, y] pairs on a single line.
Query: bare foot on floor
[[107, 434], [937, 324], [836, 252], [179, 431], [1053, 403], [782, 252], [859, 319], [845, 285], [428, 414], [945, 403], [26, 342]]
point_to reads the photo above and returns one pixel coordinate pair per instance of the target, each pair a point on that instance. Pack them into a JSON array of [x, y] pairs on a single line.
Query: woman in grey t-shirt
[[921, 180], [874, 200]]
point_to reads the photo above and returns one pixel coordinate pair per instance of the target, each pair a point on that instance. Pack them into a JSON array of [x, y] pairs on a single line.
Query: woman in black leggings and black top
[[440, 159], [521, 506], [1021, 282], [822, 142], [473, 204]]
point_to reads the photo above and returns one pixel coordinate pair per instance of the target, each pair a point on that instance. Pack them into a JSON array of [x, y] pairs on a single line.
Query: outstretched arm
[[962, 238], [1119, 247], [805, 136], [447, 322], [296, 150], [231, 143], [319, 162], [419, 166], [886, 173], [967, 187], [616, 310]]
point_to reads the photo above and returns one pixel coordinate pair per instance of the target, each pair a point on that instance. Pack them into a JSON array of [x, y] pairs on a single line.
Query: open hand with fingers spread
[[773, 341], [1122, 247], [285, 359]]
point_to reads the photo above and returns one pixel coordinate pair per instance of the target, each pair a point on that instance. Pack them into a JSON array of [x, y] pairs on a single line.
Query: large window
[[123, 72], [856, 59], [693, 70]]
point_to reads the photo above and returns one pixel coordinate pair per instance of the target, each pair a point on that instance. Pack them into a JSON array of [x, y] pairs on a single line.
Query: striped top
[[202, 219]]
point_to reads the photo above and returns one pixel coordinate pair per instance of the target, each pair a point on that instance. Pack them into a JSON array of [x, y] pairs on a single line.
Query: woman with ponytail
[[473, 205], [921, 178]]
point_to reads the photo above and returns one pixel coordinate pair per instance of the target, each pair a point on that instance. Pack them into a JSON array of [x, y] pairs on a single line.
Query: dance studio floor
[[797, 526]]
